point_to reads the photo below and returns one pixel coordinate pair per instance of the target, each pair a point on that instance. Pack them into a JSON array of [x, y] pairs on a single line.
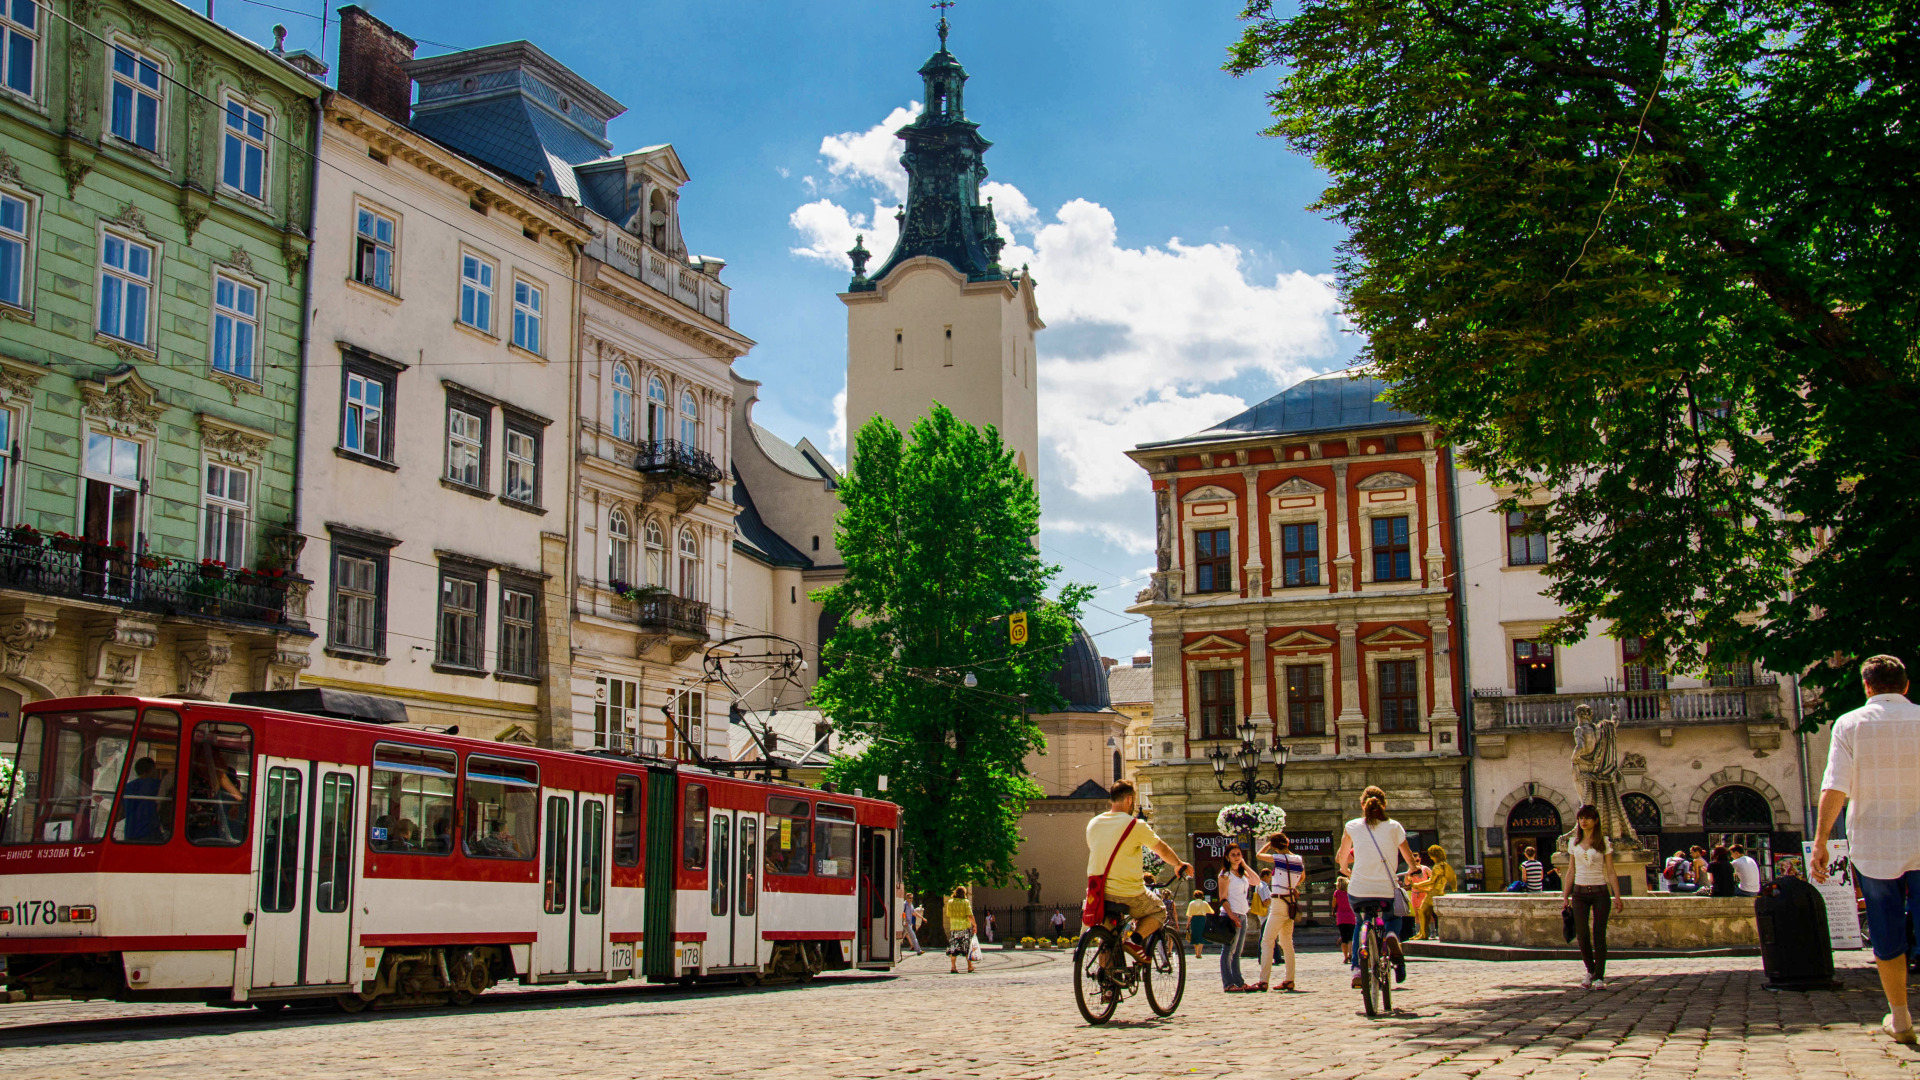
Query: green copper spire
[[944, 217]]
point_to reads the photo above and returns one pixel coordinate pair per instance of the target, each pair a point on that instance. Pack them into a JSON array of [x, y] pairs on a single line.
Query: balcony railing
[[1632, 707], [675, 616], [672, 457], [83, 570]]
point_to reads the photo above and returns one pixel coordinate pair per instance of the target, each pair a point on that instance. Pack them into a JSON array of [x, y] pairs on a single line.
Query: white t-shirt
[[1748, 873], [1589, 864], [1373, 870], [1237, 889], [1288, 870], [1875, 760]]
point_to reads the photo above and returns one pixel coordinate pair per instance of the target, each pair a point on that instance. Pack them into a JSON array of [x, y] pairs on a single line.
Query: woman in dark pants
[[1589, 894], [1725, 881]]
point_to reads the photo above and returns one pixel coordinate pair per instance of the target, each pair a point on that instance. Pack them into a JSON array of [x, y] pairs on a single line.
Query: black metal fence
[[83, 570], [671, 455]]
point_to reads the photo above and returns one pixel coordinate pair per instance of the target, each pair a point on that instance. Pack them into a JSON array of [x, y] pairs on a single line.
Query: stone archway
[[1736, 776], [1560, 802], [1669, 816]]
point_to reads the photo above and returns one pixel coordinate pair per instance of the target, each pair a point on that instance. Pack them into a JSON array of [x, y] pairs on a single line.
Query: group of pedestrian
[[1725, 871]]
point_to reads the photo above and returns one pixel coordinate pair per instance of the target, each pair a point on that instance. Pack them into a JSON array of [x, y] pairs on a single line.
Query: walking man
[[1874, 765]]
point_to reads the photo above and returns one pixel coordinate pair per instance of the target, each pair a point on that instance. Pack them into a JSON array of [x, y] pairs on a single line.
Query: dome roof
[[1081, 678]]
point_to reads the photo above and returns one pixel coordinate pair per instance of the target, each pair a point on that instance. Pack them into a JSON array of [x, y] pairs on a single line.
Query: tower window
[[947, 360], [816, 543], [899, 351]]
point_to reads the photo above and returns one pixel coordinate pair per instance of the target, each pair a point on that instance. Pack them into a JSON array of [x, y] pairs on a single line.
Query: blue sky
[[1178, 270]]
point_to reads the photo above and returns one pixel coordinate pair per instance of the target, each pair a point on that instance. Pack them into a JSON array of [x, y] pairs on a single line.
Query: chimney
[[1144, 659], [371, 53], [1108, 663]]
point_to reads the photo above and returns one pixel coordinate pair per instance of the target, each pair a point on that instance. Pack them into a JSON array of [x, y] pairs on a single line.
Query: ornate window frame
[[1208, 495], [1407, 506], [1288, 505]]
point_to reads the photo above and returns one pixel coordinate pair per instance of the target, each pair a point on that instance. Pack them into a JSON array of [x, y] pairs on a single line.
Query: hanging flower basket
[[1152, 864], [1251, 819]]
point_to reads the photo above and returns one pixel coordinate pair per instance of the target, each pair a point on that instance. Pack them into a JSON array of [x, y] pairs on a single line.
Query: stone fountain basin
[[1660, 921]]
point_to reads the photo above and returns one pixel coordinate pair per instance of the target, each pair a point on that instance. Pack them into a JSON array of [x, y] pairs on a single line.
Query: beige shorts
[[1141, 905]]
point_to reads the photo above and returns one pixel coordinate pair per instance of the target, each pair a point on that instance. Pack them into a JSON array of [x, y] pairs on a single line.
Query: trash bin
[[1795, 948]]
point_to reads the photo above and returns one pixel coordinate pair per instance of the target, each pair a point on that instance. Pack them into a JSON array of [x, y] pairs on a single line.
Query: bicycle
[[1104, 971], [1376, 961]]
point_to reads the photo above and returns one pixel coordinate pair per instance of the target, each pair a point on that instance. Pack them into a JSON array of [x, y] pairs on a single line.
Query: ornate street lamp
[[1248, 757]]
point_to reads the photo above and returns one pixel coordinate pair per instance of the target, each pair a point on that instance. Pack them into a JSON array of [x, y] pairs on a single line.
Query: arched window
[[689, 419], [656, 542], [622, 402], [1737, 809], [689, 565], [657, 219], [619, 549], [1118, 765], [659, 417], [1642, 811]]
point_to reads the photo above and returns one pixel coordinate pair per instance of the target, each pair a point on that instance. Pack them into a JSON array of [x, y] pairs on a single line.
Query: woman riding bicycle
[[1369, 855]]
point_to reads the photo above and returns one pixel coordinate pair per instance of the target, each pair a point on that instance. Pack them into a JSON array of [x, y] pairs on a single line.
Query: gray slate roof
[[1335, 401], [1130, 685], [757, 538]]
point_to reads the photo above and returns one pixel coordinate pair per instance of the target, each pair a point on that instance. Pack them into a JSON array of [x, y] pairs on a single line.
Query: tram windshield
[[65, 776]]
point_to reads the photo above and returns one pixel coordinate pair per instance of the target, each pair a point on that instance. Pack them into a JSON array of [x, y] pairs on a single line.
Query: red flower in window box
[[26, 535], [212, 568], [64, 542]]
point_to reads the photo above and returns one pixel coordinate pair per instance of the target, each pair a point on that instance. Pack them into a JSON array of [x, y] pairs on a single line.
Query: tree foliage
[[937, 535], [1660, 257]]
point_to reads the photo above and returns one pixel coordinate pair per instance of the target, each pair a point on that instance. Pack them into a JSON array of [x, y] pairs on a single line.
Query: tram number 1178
[[623, 957]]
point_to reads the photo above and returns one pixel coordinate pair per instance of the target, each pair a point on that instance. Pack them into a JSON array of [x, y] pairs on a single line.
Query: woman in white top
[[1589, 892], [1237, 883], [1370, 850], [1289, 871]]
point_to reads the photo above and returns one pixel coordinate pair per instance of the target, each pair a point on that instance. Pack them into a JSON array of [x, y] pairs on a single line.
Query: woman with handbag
[[1369, 854], [1289, 871], [960, 931], [1236, 890], [1588, 897]]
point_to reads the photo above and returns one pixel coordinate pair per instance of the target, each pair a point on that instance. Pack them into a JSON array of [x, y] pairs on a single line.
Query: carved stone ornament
[[17, 382], [280, 669], [130, 217], [231, 446], [1298, 486], [119, 644], [1632, 762], [19, 636], [239, 259], [198, 662], [123, 402], [1386, 480], [9, 172], [293, 251], [140, 28]]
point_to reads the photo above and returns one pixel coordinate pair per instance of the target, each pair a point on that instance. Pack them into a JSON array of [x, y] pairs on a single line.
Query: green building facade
[[155, 198]]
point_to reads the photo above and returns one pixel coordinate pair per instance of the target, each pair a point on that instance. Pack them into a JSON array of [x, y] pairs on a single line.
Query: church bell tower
[[941, 319]]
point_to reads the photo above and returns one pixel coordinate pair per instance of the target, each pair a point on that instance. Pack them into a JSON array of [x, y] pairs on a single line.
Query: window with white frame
[[16, 282], [363, 420], [7, 434], [20, 26], [527, 300], [523, 467], [358, 595], [114, 478], [236, 325], [1143, 748], [126, 287], [689, 565], [373, 248], [619, 549], [616, 713], [689, 419], [690, 709], [224, 515], [656, 543], [243, 150], [659, 417], [466, 444], [622, 402], [519, 653], [476, 292], [134, 107], [461, 640]]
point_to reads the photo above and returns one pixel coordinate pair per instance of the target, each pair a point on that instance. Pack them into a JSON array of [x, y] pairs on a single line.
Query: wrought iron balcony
[[671, 616], [79, 569], [670, 456]]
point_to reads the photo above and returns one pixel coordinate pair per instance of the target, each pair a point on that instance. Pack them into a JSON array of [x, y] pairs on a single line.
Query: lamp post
[[1250, 785]]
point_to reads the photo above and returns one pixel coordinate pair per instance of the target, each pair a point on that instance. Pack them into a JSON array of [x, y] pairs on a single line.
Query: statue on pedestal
[[1596, 776], [1033, 886]]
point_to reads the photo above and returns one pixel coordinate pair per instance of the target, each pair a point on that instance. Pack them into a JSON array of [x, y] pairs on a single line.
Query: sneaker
[[1586, 983], [1356, 980], [1599, 984], [1906, 1036], [1399, 971]]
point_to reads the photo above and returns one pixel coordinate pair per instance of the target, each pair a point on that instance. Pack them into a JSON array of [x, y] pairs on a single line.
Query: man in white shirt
[[1874, 764], [1126, 876], [1746, 871]]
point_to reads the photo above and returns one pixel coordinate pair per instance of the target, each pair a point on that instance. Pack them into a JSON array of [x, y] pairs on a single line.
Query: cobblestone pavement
[[1458, 1019]]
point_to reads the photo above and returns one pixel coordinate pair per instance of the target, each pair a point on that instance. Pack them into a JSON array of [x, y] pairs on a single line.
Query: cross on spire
[[941, 6]]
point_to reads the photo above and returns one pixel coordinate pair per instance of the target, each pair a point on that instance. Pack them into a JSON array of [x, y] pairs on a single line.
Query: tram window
[[333, 868], [145, 814], [749, 864], [68, 769], [788, 837], [833, 840], [593, 857], [220, 785], [557, 852], [410, 800], [503, 801], [693, 828], [626, 821], [280, 841], [718, 881]]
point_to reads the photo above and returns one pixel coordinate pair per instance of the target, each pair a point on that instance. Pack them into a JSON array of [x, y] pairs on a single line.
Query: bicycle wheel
[[1383, 975], [1370, 946], [1091, 990], [1165, 972]]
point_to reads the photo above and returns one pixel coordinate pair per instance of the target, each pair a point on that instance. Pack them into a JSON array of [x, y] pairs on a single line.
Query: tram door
[[304, 872], [874, 940], [590, 892], [554, 953]]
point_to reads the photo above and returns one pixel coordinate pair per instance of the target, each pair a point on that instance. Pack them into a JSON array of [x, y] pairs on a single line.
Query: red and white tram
[[183, 850]]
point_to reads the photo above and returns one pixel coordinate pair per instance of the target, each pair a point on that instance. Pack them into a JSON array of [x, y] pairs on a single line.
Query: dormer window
[[657, 220]]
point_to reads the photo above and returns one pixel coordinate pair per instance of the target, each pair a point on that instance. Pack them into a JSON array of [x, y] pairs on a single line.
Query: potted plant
[[26, 535], [62, 541]]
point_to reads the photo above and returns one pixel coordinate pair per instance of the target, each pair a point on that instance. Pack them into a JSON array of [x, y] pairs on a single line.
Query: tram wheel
[[350, 1003]]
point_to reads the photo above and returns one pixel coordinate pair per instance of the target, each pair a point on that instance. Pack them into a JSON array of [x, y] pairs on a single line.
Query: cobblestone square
[[1456, 1019]]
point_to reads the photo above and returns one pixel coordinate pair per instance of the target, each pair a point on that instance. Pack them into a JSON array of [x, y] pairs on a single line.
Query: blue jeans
[[1230, 954], [1364, 909], [1888, 901]]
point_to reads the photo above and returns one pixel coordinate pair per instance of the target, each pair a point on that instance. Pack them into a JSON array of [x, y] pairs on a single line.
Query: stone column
[[1352, 721], [1253, 568], [1169, 725], [1436, 574], [1446, 705], [554, 725], [1339, 543]]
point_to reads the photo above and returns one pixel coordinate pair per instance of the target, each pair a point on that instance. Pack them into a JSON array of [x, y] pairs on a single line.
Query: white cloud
[[837, 434], [872, 156], [1133, 541], [829, 230]]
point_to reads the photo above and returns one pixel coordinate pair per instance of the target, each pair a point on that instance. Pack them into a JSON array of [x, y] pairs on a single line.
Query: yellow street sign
[[1017, 628]]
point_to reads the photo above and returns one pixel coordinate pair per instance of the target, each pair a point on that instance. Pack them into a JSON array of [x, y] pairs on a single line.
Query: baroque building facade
[[155, 185], [439, 371], [1306, 593]]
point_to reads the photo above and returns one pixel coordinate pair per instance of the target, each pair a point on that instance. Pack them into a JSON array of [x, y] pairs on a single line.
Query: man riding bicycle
[[1126, 881]]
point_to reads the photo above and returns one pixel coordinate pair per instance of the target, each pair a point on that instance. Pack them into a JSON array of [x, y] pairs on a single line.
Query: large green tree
[[938, 538], [1661, 257]]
